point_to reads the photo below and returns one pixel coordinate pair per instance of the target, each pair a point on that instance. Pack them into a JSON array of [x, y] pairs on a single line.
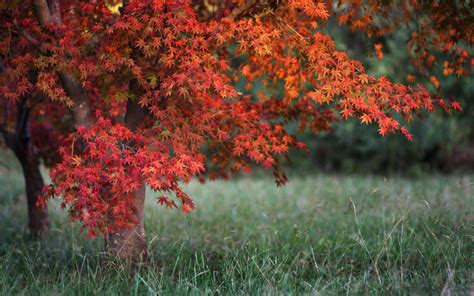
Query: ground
[[321, 234]]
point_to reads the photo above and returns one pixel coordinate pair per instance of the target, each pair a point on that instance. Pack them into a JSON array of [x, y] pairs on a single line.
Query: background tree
[[17, 137], [27, 129], [151, 86]]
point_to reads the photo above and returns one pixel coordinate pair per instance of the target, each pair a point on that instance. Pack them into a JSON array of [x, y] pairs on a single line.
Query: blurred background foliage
[[443, 142]]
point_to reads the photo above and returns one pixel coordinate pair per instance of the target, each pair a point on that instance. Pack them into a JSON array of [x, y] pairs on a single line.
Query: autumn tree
[[27, 128], [16, 132], [152, 85]]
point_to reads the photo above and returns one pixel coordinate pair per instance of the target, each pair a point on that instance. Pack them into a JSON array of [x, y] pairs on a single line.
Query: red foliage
[[176, 59]]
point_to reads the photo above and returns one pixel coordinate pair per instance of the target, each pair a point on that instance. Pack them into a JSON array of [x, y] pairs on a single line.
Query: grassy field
[[320, 234]]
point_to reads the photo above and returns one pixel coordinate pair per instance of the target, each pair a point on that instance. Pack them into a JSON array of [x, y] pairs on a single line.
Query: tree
[[18, 139], [152, 85], [28, 132]]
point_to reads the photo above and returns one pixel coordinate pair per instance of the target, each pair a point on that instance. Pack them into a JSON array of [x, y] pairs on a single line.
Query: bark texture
[[19, 141], [38, 221], [130, 244]]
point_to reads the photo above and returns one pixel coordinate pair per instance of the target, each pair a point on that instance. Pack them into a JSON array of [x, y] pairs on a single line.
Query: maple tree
[[151, 87], [17, 136], [27, 126]]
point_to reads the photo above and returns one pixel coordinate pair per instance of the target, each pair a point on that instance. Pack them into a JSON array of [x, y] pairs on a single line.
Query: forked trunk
[[130, 244], [38, 221]]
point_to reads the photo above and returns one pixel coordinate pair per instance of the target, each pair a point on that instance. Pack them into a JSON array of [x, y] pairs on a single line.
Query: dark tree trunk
[[38, 221], [19, 142]]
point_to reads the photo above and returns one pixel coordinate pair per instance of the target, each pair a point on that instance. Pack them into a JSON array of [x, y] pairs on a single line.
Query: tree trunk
[[38, 221], [20, 143], [130, 244], [127, 244]]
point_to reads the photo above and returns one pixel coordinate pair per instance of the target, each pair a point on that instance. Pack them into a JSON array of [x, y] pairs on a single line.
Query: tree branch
[[251, 7], [81, 110], [48, 12], [55, 11], [30, 38], [41, 11], [231, 9]]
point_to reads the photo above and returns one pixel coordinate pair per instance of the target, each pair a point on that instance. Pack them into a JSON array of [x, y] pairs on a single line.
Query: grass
[[320, 234]]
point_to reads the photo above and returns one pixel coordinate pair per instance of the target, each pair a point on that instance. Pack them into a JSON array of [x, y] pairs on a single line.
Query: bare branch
[[47, 12], [42, 13], [55, 11], [81, 110]]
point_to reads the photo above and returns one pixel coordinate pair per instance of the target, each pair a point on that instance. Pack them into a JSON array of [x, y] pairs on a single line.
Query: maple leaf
[[162, 200], [76, 160], [378, 50], [186, 208], [435, 81], [247, 169], [366, 118], [245, 70], [411, 78], [456, 106], [346, 113], [407, 134]]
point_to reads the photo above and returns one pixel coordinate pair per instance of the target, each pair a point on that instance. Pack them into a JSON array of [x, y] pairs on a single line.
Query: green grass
[[320, 234]]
